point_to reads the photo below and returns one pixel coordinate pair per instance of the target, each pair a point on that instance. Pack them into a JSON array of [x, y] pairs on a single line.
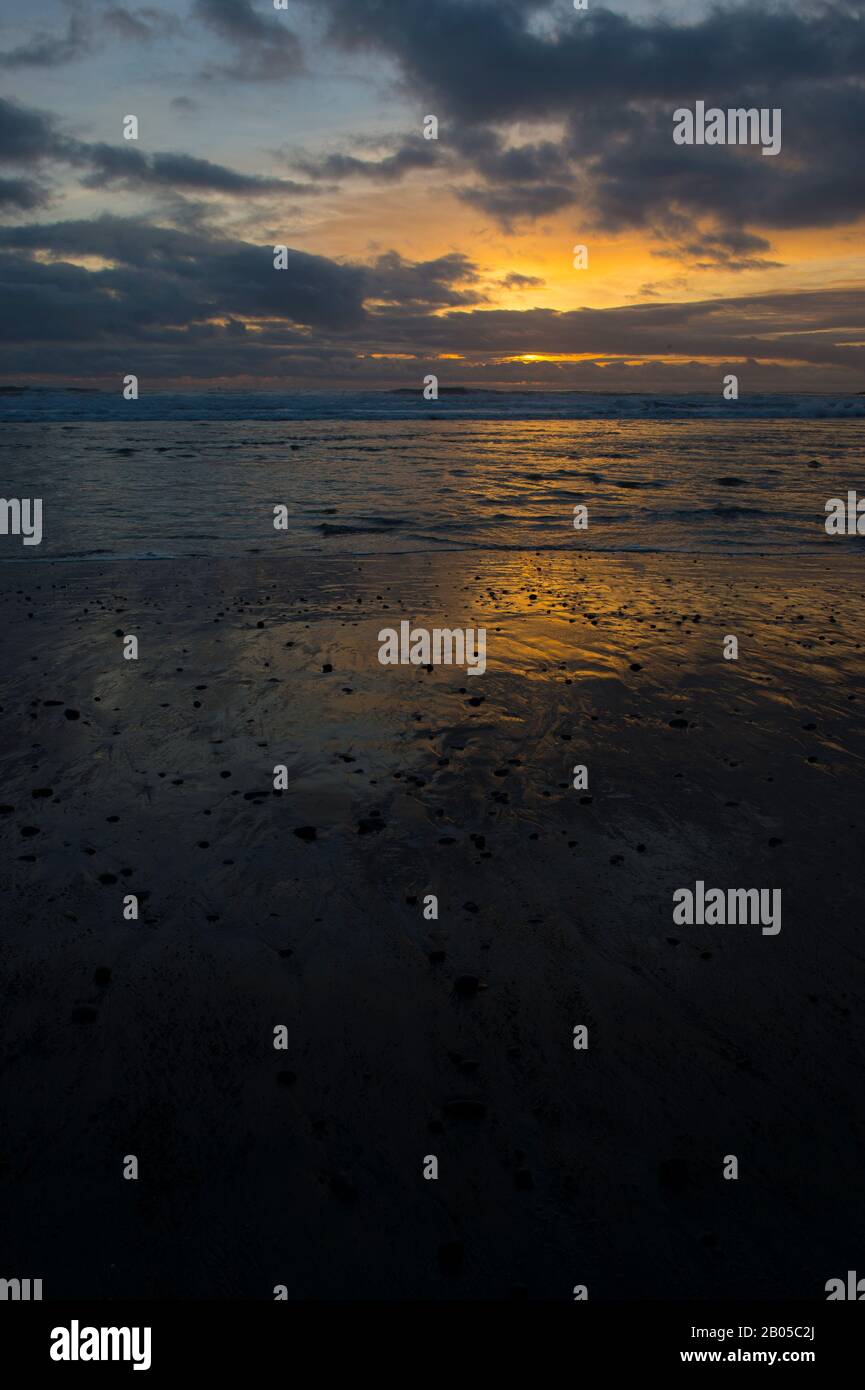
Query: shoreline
[[409, 1036]]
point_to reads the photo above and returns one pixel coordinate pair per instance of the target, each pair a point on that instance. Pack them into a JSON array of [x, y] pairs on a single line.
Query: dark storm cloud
[[392, 280], [727, 250], [636, 175], [789, 327], [22, 194], [487, 64], [509, 205], [29, 137], [265, 49], [163, 274], [612, 82], [162, 288], [124, 239], [519, 165], [515, 182], [124, 164], [411, 154], [163, 277], [114, 238]]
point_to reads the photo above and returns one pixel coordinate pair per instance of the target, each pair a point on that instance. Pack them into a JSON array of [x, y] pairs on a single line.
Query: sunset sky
[[304, 127]]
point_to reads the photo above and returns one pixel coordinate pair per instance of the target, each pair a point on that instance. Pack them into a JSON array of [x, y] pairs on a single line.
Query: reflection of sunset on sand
[[405, 782]]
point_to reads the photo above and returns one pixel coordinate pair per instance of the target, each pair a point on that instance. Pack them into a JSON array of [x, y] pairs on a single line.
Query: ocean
[[174, 475]]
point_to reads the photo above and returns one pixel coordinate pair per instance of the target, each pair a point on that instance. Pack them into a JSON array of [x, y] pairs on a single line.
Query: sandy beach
[[410, 1037]]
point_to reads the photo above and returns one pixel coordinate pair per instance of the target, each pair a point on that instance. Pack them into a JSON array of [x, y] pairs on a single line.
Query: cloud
[[514, 181], [821, 327], [161, 276], [508, 206], [265, 49], [31, 137], [51, 51], [22, 194], [516, 281], [143, 25], [731, 249], [27, 135], [612, 83], [411, 154], [392, 280], [85, 29], [540, 108], [166, 295], [112, 164], [517, 181], [487, 63]]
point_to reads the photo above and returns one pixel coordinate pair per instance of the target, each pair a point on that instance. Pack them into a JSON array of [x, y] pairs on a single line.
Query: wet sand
[[409, 1037]]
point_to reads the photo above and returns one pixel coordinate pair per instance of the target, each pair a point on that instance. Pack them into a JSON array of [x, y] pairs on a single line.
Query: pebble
[[464, 1109]]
